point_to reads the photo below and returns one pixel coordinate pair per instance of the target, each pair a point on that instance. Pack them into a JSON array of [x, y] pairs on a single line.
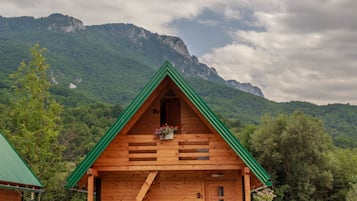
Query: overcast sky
[[302, 50]]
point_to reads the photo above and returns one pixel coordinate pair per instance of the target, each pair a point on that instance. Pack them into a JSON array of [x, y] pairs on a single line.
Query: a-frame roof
[[167, 70], [13, 170]]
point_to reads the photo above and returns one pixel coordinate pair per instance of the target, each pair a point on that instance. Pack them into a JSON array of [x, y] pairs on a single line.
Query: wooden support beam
[[246, 173], [90, 187], [91, 173], [145, 187]]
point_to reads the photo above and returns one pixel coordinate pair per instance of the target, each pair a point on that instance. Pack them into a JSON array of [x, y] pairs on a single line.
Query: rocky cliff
[[171, 48], [63, 23]]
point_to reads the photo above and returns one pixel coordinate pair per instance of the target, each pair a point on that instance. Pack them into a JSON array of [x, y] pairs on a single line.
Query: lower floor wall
[[9, 195], [173, 186]]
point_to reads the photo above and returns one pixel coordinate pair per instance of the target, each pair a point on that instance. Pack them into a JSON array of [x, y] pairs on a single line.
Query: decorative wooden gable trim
[[133, 112]]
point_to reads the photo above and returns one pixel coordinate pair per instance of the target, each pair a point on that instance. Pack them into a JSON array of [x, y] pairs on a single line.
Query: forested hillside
[[111, 63]]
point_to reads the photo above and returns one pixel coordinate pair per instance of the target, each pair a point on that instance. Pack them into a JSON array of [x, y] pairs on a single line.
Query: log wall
[[185, 151], [169, 185], [195, 144], [9, 195]]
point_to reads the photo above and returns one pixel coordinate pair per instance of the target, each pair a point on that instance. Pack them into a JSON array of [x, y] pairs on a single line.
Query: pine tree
[[34, 120]]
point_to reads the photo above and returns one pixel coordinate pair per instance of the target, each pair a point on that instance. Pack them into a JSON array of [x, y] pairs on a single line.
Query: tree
[[296, 151], [34, 120], [345, 174], [244, 136]]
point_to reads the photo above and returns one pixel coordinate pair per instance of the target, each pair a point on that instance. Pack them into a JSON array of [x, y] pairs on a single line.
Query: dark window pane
[[220, 191]]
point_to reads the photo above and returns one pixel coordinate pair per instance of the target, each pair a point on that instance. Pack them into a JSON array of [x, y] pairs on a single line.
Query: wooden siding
[[168, 185], [9, 195], [195, 146], [190, 122], [150, 119], [185, 151]]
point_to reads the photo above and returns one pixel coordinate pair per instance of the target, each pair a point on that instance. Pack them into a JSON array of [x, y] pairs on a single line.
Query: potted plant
[[165, 132]]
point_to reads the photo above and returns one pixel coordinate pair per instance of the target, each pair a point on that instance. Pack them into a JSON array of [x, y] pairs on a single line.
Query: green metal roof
[[13, 169], [168, 70]]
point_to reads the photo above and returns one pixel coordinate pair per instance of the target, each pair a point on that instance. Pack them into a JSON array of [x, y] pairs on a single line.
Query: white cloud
[[230, 13], [306, 53], [208, 22], [154, 15]]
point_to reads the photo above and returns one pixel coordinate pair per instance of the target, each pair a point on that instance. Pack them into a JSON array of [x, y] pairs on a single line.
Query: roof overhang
[[21, 188]]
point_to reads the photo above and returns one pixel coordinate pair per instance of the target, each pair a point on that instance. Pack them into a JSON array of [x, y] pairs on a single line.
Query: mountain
[[112, 62], [153, 48]]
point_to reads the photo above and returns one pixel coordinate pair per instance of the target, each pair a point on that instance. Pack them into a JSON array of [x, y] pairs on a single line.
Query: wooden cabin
[[203, 161], [16, 178]]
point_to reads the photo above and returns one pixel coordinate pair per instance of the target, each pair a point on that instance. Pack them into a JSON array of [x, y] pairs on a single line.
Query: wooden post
[[90, 188], [246, 172], [91, 174]]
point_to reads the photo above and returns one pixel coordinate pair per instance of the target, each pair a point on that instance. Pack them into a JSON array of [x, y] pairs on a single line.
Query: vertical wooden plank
[[145, 187], [246, 172], [238, 186]]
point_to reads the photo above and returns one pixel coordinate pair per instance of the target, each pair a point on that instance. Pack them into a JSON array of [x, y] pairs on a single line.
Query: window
[[170, 110], [220, 190]]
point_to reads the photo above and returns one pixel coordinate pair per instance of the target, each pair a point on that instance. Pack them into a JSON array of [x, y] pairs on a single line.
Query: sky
[[303, 50]]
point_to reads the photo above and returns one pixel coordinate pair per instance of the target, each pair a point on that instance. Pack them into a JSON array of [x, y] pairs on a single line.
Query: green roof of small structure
[[13, 170], [168, 70]]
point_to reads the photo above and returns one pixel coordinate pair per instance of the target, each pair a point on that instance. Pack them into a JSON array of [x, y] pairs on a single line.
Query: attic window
[[170, 111]]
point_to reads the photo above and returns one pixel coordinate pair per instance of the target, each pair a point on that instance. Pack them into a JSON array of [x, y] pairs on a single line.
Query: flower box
[[165, 132], [168, 136]]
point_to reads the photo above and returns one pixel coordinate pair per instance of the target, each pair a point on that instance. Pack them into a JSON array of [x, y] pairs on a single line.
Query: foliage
[[300, 157], [295, 151], [70, 98], [352, 194], [345, 172], [340, 120], [245, 134], [34, 121], [84, 126]]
